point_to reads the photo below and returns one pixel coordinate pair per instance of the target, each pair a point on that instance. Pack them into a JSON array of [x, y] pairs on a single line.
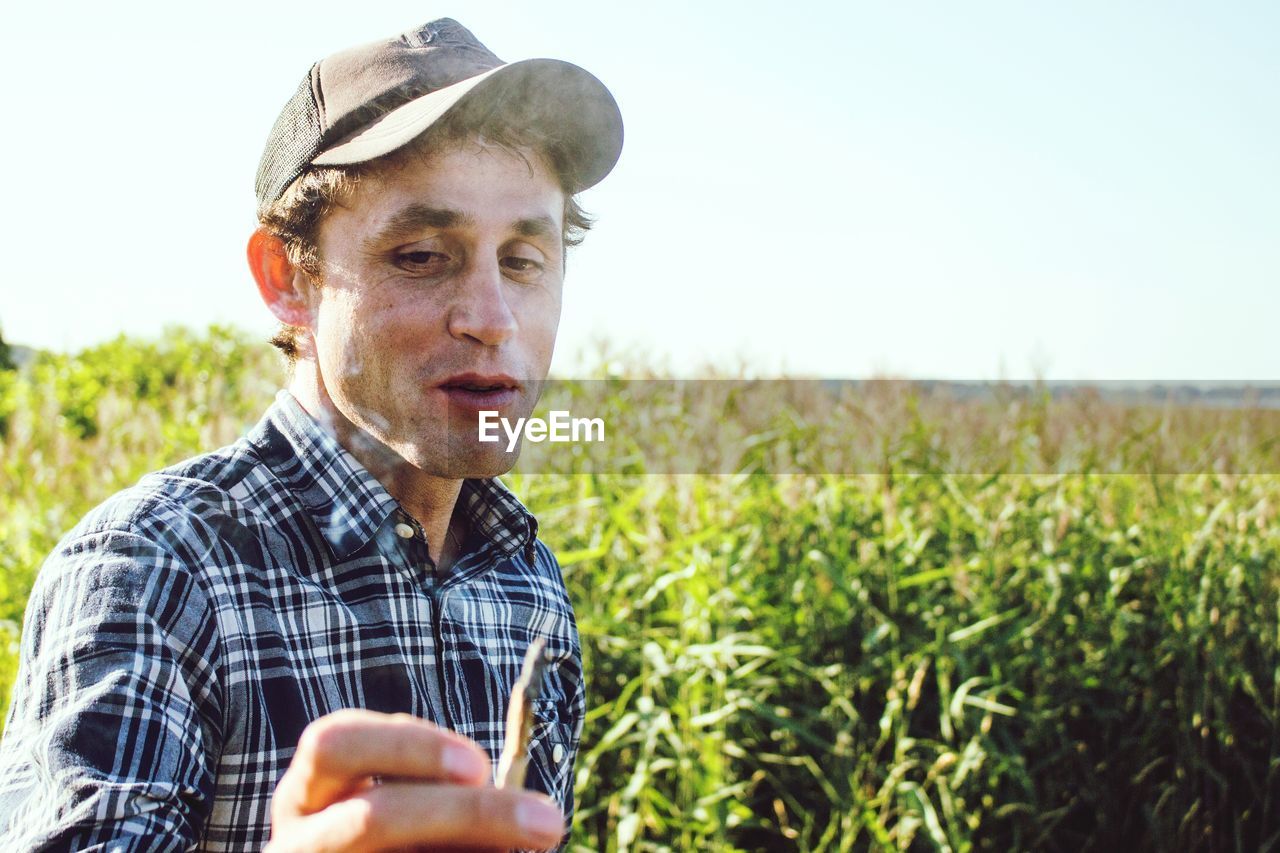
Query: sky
[[972, 190]]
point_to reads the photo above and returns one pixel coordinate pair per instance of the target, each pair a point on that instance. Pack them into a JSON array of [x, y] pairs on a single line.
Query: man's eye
[[419, 260], [521, 265]]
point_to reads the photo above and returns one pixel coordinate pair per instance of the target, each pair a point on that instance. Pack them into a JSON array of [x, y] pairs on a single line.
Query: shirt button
[[404, 531], [557, 754]]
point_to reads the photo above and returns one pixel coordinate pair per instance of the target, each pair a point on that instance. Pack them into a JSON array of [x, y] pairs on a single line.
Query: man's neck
[[429, 499]]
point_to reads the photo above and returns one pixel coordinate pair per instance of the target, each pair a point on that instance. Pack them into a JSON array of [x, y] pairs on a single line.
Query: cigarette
[[514, 760]]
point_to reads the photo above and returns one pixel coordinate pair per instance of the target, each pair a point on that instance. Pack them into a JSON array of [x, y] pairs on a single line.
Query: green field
[[902, 660]]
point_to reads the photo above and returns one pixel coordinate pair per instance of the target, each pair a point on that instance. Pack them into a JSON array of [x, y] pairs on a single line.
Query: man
[[308, 638]]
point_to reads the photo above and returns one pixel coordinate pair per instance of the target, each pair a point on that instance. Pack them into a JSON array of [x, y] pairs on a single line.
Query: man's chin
[[471, 463]]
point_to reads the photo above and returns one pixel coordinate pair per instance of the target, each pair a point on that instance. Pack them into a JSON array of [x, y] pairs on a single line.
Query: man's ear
[[281, 284]]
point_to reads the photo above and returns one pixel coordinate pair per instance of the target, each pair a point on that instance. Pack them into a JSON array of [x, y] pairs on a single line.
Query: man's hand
[[433, 791]]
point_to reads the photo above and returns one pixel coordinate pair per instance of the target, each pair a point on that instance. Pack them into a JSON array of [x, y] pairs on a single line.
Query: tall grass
[[819, 662]]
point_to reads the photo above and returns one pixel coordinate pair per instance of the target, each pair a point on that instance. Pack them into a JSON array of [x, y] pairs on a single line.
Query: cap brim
[[570, 99]]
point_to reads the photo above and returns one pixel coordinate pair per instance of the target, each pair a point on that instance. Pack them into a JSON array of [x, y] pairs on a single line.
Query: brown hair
[[295, 218]]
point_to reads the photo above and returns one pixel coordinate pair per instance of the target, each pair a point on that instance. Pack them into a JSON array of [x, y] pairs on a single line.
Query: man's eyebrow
[[539, 226], [416, 217]]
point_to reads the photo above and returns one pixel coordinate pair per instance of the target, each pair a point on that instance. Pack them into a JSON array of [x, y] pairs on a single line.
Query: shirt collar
[[349, 505], [496, 515]]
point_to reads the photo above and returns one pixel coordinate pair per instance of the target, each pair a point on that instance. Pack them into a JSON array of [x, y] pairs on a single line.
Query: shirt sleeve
[[574, 681], [578, 706], [113, 729]]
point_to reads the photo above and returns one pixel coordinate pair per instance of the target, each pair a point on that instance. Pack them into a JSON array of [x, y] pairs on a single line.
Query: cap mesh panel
[[294, 140]]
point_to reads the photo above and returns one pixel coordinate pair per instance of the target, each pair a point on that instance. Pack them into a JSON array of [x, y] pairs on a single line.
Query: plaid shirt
[[183, 634]]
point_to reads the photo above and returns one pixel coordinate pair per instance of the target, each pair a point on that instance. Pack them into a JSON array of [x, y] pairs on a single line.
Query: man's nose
[[480, 311]]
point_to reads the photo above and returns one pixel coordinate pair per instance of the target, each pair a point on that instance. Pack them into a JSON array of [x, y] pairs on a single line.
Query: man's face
[[439, 279]]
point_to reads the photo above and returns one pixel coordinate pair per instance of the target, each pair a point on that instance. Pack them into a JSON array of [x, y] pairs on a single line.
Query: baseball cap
[[362, 103]]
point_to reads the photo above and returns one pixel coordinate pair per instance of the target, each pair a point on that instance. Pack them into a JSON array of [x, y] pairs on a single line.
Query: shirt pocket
[[552, 750]]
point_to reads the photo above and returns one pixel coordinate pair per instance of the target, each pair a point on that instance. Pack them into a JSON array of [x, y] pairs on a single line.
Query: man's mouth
[[474, 391]]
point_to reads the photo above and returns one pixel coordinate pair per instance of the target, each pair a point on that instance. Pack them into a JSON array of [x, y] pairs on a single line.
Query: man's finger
[[404, 815], [338, 752]]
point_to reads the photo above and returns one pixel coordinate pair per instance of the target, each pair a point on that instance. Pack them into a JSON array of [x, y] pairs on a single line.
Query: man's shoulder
[[544, 559], [213, 481], [178, 510]]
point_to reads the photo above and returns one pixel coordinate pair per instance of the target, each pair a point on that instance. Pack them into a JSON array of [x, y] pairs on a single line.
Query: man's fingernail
[[539, 818], [461, 763]]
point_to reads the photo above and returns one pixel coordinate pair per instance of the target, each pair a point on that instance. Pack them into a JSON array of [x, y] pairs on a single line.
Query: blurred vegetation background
[[904, 660]]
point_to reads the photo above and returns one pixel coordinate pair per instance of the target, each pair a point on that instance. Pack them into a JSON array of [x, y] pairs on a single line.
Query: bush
[[818, 662]]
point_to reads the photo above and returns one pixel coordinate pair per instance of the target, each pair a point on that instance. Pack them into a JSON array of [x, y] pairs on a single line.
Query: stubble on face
[[390, 328]]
